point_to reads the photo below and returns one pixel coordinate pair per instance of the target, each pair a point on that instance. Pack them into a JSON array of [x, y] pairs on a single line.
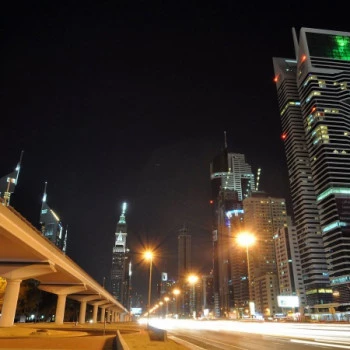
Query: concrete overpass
[[25, 253]]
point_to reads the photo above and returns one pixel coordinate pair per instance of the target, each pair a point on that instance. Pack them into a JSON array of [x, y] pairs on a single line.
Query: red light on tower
[[284, 136], [211, 201], [303, 58], [275, 79]]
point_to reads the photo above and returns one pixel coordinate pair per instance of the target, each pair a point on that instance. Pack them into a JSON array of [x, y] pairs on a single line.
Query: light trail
[[336, 334]]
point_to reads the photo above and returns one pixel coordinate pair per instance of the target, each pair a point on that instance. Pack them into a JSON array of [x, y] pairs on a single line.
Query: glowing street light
[[176, 292], [166, 299], [149, 256], [246, 239], [192, 279]]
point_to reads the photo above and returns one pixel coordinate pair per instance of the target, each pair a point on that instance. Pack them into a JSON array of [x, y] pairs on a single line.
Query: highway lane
[[221, 340], [215, 335]]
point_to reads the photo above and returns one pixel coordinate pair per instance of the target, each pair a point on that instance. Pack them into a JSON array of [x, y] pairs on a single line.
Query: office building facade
[[314, 100], [290, 278], [263, 216]]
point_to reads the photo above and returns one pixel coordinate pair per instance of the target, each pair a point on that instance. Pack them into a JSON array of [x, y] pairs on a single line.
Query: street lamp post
[[166, 299], [161, 311], [176, 292], [192, 279], [149, 256], [246, 239]]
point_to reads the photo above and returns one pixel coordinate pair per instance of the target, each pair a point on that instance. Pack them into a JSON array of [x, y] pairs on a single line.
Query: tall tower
[[121, 264], [184, 269], [9, 182], [263, 215], [314, 100], [232, 180], [184, 253], [288, 263], [51, 225], [238, 263]]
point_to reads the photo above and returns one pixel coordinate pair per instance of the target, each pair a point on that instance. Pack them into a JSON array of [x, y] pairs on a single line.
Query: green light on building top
[[342, 49]]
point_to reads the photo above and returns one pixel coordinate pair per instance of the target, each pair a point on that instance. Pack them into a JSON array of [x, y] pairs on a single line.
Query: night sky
[[115, 101]]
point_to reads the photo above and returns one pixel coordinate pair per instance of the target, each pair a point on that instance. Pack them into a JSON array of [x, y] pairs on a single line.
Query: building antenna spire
[[296, 44], [225, 140], [44, 195], [19, 165], [43, 201]]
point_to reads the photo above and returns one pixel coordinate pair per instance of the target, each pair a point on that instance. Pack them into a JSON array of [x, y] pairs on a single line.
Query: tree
[[3, 284], [29, 298]]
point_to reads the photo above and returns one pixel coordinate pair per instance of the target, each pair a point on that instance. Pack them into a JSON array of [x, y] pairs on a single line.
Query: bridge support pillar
[[60, 307], [94, 313], [10, 303], [103, 314], [82, 312]]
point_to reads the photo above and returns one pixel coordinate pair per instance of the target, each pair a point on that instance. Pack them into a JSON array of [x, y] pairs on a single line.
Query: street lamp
[[161, 311], [192, 279], [166, 299], [176, 292], [246, 239], [149, 256]]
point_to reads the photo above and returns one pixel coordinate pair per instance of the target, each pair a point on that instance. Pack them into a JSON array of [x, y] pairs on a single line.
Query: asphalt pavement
[[99, 336]]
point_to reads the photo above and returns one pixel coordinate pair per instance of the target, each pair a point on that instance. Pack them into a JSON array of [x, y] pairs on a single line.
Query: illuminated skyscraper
[[51, 225], [9, 182], [121, 264], [263, 216], [288, 263], [314, 100], [232, 180]]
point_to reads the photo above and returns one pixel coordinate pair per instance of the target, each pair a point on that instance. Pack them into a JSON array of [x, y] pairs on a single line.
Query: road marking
[[185, 343], [319, 343]]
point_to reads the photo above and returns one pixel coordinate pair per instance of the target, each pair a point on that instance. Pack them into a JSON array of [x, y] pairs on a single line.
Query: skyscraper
[[121, 264], [288, 263], [263, 216], [232, 180], [184, 268], [314, 100], [51, 225], [184, 253], [9, 182]]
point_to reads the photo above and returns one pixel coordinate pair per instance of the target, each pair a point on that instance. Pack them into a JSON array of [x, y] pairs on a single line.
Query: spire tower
[[121, 263]]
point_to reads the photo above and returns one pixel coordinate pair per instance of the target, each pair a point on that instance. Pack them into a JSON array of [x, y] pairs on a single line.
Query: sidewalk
[[49, 336]]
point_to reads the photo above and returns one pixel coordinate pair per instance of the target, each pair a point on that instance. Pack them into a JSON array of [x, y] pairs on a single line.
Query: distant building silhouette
[[184, 253], [184, 268]]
